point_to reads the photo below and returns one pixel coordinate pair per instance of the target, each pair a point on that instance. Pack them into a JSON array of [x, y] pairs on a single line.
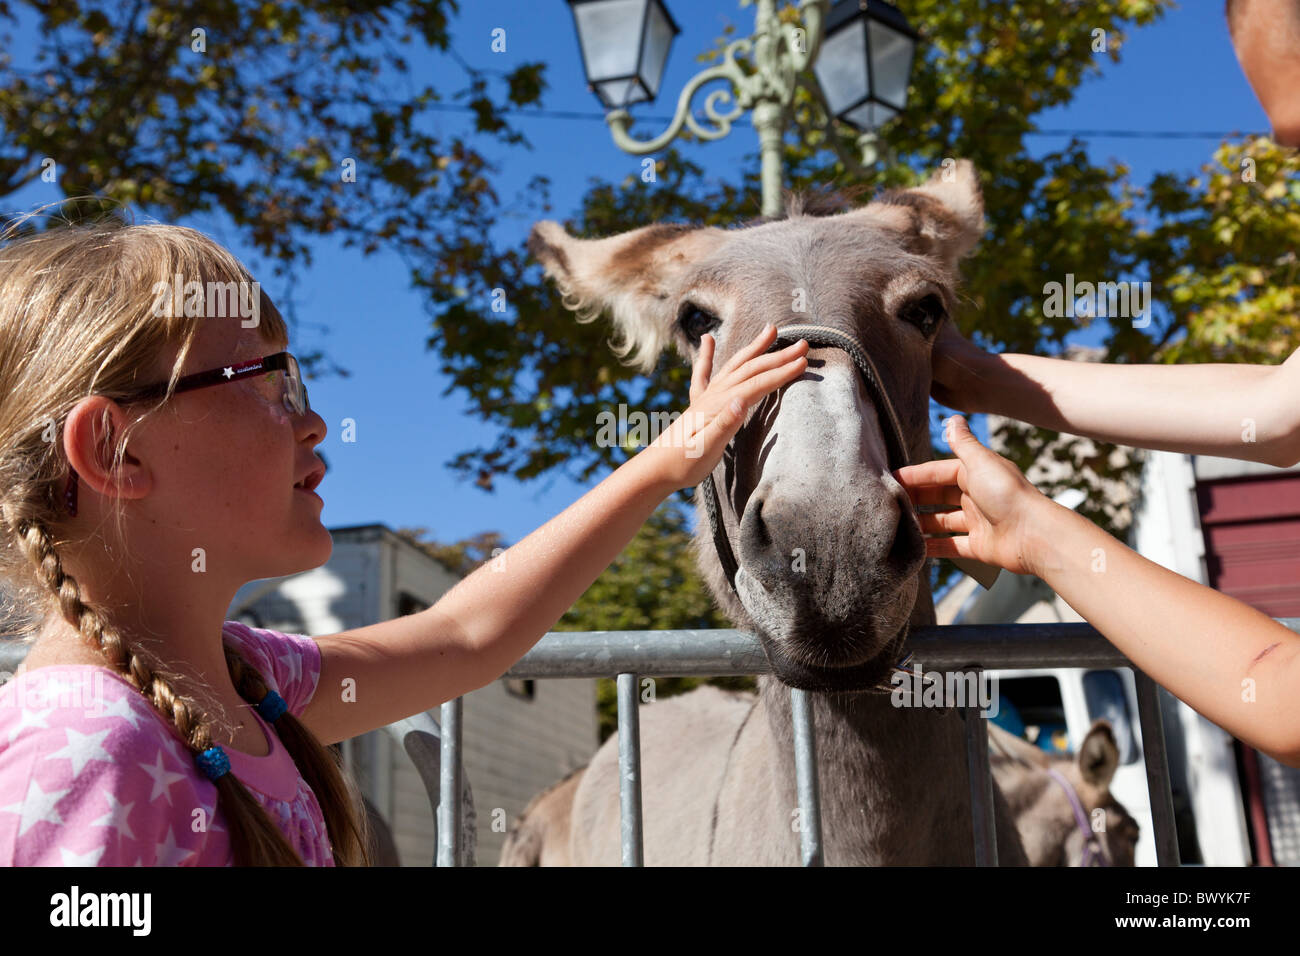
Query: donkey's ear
[[634, 275], [1098, 756], [945, 215]]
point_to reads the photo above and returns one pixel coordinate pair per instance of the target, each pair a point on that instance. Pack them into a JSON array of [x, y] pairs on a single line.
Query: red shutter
[[1252, 540]]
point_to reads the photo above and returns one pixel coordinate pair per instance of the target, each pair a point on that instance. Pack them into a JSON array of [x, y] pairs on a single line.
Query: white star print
[[30, 718], [292, 661], [122, 708], [229, 371], [89, 858], [83, 748], [169, 854], [38, 805], [53, 687], [163, 779], [117, 817]]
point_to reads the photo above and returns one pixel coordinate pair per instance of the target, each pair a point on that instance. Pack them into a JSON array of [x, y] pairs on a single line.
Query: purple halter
[[1091, 844]]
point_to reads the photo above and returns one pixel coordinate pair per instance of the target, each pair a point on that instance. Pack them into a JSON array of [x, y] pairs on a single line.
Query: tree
[[277, 114], [460, 558], [1217, 250], [256, 117]]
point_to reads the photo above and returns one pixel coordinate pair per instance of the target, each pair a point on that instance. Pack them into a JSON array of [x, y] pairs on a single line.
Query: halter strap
[[793, 673], [1089, 837]]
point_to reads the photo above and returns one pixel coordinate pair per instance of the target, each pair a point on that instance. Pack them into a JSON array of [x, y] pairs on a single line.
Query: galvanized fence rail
[[437, 750], [625, 655]]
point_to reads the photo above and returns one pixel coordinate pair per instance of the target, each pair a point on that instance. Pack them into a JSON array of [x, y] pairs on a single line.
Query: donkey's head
[[1090, 773], [828, 549], [1046, 817]]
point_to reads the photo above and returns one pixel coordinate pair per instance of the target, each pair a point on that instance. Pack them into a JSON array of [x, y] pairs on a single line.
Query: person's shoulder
[[48, 701], [90, 774], [288, 662]]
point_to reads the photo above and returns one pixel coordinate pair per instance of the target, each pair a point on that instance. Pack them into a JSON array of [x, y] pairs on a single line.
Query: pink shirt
[[92, 775]]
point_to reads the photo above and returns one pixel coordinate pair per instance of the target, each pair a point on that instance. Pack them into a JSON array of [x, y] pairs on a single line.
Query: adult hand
[[686, 452], [997, 511], [956, 367]]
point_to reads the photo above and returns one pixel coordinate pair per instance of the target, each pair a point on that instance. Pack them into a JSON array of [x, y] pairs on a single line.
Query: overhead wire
[[593, 115]]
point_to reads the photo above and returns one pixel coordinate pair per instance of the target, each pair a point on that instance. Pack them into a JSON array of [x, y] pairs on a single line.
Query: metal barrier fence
[[624, 655]]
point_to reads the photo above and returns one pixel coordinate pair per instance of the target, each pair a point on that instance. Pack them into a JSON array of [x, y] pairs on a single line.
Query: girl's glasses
[[294, 394]]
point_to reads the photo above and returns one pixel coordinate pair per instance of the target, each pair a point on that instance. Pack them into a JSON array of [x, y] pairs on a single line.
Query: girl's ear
[[90, 433]]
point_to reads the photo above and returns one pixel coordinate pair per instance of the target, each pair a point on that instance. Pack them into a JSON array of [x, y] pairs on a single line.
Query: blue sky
[[1178, 75]]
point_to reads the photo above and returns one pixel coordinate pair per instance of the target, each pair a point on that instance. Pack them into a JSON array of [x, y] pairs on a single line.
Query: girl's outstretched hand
[[690, 449], [997, 508]]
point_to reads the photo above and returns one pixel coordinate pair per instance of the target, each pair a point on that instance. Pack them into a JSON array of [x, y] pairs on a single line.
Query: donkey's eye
[[695, 321], [925, 313]]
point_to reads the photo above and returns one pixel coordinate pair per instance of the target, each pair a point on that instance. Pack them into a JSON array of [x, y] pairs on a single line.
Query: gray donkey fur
[[832, 561], [540, 836]]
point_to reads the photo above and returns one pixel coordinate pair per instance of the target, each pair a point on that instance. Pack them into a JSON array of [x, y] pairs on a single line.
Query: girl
[[152, 462], [1235, 665]]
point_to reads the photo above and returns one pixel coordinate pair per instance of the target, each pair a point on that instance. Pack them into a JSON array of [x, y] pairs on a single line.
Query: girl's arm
[[1250, 412], [489, 620], [1226, 660]]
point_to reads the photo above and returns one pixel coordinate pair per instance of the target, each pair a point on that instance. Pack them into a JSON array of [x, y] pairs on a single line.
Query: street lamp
[[624, 47], [866, 62], [860, 51]]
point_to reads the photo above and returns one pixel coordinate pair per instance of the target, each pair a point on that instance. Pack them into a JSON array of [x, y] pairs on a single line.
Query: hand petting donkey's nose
[[995, 510], [692, 447]]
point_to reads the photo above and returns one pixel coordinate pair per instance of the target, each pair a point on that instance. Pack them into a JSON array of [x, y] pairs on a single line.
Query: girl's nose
[[311, 426]]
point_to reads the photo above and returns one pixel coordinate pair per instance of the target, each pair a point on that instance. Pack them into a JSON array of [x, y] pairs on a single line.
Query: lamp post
[[861, 53]]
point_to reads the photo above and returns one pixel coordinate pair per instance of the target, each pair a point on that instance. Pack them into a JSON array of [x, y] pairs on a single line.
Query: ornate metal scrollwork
[[781, 51]]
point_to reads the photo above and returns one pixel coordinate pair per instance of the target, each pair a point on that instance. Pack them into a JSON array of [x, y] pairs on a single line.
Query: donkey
[[829, 561], [1046, 819], [1058, 813], [540, 835]]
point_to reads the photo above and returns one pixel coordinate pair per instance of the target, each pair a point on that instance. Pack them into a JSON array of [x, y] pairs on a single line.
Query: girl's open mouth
[[310, 480]]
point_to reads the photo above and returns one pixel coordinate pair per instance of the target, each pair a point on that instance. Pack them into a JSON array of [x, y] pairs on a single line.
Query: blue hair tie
[[272, 707], [214, 763]]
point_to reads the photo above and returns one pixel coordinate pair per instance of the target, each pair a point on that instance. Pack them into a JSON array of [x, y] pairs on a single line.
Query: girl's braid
[[252, 834]]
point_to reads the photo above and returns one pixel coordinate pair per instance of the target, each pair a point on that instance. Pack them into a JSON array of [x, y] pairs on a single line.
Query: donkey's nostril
[[760, 535], [756, 549], [907, 553]]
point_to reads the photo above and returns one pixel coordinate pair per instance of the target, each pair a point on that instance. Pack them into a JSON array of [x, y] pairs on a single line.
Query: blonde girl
[[154, 460]]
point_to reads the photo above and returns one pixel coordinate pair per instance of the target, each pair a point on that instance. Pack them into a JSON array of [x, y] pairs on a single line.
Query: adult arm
[[1249, 412], [1226, 660]]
